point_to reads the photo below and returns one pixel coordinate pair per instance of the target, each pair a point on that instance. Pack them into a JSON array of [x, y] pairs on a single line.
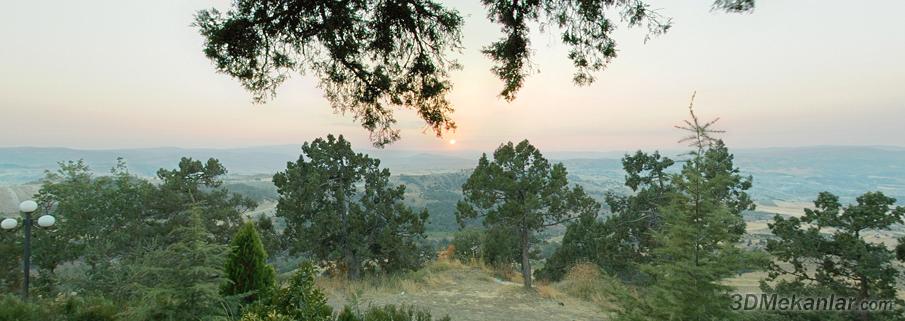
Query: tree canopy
[[372, 56], [828, 250], [521, 190], [246, 267], [340, 206]]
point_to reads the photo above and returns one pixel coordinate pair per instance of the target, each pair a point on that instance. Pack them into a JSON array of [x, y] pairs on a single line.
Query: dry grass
[[548, 291], [430, 276], [586, 282]]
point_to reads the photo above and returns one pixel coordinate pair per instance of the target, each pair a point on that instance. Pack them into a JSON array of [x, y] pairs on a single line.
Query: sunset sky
[[123, 74]]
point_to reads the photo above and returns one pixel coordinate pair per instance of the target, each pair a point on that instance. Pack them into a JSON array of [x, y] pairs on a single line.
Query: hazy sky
[[117, 74]]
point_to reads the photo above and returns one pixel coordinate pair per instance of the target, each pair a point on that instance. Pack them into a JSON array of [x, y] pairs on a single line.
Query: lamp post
[[27, 208]]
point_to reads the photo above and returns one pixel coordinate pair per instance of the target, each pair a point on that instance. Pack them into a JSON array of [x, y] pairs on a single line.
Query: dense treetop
[[371, 56]]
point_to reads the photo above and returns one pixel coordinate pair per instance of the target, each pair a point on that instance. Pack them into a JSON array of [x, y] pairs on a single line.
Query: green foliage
[[698, 252], [626, 238], [88, 309], [10, 262], [198, 184], [521, 192], [339, 205], [502, 246], [265, 316], [273, 240], [695, 247], [826, 250], [387, 313], [105, 220], [581, 243], [99, 219], [13, 309], [300, 299], [180, 281], [62, 309], [469, 244], [246, 267], [497, 245], [371, 56]]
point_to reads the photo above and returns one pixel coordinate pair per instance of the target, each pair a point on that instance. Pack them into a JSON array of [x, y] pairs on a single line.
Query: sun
[[452, 141]]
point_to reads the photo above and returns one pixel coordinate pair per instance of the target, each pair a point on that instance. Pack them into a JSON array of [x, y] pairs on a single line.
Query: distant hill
[[434, 179], [19, 165]]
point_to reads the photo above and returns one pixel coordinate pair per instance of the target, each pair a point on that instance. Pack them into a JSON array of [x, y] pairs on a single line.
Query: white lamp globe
[[9, 223], [46, 221], [28, 206]]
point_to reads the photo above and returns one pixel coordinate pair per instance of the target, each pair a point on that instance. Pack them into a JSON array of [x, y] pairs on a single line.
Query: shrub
[[13, 309], [387, 313], [89, 309], [69, 309], [246, 267], [265, 315], [585, 281], [469, 244], [299, 300]]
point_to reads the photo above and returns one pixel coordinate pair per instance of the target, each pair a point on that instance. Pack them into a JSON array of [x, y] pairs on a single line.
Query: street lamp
[[9, 224]]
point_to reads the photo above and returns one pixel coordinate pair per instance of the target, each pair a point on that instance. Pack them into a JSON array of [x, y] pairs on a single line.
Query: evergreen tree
[[180, 281], [301, 299], [101, 220], [827, 251], [698, 251], [696, 246], [197, 183], [340, 205], [246, 266], [372, 56], [626, 239], [273, 240], [522, 191]]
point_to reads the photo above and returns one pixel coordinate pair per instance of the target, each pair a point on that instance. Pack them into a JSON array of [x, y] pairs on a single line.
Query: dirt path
[[471, 295]]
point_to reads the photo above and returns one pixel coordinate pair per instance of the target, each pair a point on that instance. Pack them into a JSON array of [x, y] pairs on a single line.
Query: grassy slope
[[465, 293]]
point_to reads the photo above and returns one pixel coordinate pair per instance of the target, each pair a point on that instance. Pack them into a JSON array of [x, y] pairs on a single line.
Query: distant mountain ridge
[[785, 173]]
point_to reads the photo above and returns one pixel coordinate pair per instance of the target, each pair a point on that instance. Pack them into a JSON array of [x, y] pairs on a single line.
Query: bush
[[89, 309], [388, 313], [469, 244], [70, 309], [13, 309], [587, 282], [502, 246], [246, 267], [299, 300]]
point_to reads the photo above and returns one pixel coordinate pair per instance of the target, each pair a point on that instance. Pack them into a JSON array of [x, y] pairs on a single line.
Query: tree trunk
[[526, 260], [350, 258], [352, 264], [865, 295]]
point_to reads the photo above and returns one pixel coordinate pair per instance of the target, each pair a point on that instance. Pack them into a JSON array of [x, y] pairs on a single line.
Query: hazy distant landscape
[[785, 179], [791, 174]]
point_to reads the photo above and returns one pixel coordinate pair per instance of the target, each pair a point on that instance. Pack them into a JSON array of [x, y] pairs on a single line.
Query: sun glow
[[452, 141]]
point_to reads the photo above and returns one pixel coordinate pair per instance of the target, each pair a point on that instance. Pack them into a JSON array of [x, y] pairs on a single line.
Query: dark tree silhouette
[[371, 56]]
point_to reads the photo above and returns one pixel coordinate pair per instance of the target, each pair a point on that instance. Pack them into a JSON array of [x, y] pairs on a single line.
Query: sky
[[103, 74]]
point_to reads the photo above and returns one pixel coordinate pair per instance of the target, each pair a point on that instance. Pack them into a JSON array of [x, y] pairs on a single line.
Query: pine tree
[[522, 191], [698, 252], [340, 206], [198, 184], [372, 56], [180, 281], [827, 251], [246, 266], [697, 243]]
